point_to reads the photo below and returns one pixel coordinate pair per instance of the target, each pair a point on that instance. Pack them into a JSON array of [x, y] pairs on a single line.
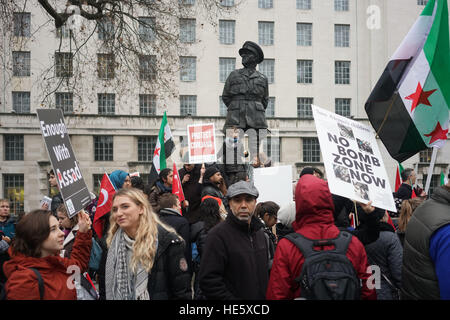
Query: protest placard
[[201, 143], [353, 162], [71, 184], [274, 184]]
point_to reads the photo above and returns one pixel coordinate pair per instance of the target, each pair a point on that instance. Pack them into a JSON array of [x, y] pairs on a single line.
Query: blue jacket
[[8, 227], [440, 254]]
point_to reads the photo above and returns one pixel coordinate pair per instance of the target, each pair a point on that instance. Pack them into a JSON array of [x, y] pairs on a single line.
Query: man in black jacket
[[235, 261]]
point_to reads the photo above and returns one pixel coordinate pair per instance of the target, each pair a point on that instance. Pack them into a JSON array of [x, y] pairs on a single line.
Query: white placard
[[274, 184], [352, 160]]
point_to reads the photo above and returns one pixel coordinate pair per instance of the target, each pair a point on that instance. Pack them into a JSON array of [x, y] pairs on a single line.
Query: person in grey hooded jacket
[[386, 253]]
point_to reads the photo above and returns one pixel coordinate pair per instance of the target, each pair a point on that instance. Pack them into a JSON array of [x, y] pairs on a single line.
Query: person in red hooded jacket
[[37, 245], [314, 220]]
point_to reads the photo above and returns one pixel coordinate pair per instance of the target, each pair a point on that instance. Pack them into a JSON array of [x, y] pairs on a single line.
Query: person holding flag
[[104, 204], [163, 150], [163, 185]]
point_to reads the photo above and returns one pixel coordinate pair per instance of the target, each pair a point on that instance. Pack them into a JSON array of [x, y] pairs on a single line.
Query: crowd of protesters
[[221, 243]]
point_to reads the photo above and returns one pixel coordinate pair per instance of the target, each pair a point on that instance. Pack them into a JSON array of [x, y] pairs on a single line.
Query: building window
[[97, 179], [227, 3], [21, 101], [226, 66], [64, 101], [187, 30], [21, 63], [147, 67], [13, 147], [63, 31], [304, 4], [311, 150], [422, 2], [105, 65], [146, 32], [187, 2], [342, 72], [265, 4], [434, 183], [341, 5], [63, 64], [147, 104], [342, 35], [267, 67], [106, 103], [22, 24], [425, 155], [271, 147], [105, 29], [13, 190], [103, 148], [304, 71], [265, 33], [188, 67], [304, 110], [188, 105], [270, 110], [342, 107], [223, 110], [146, 147], [227, 31], [304, 34]]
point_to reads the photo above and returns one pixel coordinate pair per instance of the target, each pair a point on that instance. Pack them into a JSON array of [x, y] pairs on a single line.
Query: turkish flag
[[104, 204], [177, 188]]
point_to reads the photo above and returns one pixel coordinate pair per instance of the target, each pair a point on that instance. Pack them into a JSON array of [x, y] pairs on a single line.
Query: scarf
[[120, 282]]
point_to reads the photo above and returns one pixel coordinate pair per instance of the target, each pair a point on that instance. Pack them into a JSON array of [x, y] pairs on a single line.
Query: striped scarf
[[120, 282]]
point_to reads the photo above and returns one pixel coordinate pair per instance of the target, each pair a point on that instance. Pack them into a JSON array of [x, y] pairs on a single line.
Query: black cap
[[253, 47], [307, 170], [210, 171]]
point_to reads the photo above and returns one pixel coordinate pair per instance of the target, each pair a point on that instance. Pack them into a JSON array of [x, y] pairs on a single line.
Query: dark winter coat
[[192, 192], [246, 95], [8, 227], [234, 263], [168, 279], [57, 200], [210, 189], [387, 254], [419, 277], [181, 226]]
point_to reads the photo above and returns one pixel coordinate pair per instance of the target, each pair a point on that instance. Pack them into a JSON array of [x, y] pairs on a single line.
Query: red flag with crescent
[[104, 204]]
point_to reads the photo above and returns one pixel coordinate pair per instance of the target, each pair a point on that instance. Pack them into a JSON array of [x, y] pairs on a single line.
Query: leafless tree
[[132, 41]]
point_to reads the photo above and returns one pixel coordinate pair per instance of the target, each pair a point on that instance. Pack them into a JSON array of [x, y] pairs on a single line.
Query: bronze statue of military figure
[[246, 95]]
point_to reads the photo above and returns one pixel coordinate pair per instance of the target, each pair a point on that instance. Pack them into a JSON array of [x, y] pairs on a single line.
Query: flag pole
[[430, 169]]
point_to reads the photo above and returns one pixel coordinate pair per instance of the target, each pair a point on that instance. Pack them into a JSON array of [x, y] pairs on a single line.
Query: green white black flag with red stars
[[409, 106]]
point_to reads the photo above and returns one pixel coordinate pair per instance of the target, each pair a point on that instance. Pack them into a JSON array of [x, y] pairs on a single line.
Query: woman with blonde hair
[[145, 258], [406, 212]]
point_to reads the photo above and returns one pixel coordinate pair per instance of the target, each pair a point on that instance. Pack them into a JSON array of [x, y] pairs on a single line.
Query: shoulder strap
[[40, 283], [306, 245]]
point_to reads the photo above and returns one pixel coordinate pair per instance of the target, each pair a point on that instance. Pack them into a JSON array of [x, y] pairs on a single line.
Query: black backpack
[[40, 286], [326, 274]]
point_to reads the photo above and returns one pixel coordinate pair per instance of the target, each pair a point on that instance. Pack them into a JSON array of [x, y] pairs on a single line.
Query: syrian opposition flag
[[398, 177], [163, 149], [409, 106], [444, 179], [104, 204], [177, 187]]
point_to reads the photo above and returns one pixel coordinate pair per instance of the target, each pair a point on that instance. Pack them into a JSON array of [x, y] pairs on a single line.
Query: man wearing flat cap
[[246, 95], [235, 258]]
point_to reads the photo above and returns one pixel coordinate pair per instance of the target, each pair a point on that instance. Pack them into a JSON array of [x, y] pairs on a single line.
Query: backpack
[[40, 286], [326, 274], [96, 256]]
